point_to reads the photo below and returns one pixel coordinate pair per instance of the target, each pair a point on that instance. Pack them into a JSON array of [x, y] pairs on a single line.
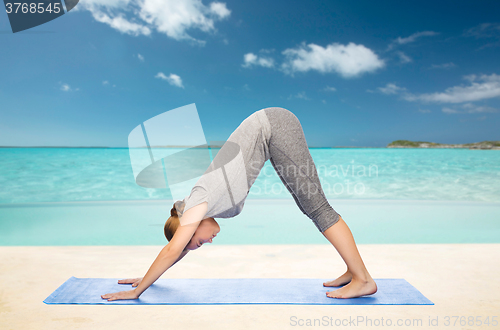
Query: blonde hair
[[173, 222]]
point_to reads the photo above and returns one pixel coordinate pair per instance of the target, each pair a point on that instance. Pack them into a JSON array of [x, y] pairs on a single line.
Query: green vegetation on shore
[[394, 144], [424, 144]]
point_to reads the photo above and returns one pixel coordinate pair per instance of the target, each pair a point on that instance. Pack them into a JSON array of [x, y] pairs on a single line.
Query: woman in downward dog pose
[[273, 134]]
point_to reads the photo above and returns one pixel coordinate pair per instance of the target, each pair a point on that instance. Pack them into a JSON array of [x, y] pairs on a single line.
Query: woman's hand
[[134, 281], [122, 295]]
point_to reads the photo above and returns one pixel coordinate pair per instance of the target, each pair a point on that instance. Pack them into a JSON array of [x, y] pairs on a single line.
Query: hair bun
[[177, 209]]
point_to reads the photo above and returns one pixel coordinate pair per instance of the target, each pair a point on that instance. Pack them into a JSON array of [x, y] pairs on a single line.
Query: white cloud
[[484, 30], [391, 89], [449, 111], [488, 31], [106, 83], [424, 110], [470, 77], [301, 95], [414, 37], [347, 60], [120, 23], [170, 17], [140, 57], [470, 108], [443, 66], [473, 108], [403, 57], [267, 51], [67, 88], [329, 89], [173, 79], [220, 9], [251, 59], [480, 88], [410, 39]]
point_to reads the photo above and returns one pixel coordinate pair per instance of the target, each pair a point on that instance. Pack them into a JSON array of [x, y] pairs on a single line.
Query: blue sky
[[355, 73]]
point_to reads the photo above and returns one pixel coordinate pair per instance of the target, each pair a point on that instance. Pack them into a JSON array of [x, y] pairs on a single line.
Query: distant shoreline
[[484, 145], [488, 145], [336, 147], [167, 147]]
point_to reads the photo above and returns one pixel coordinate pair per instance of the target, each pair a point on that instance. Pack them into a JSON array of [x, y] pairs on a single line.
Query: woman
[[275, 134]]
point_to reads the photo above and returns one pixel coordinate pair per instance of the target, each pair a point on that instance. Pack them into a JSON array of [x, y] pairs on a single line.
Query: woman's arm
[[136, 281], [183, 253], [169, 255]]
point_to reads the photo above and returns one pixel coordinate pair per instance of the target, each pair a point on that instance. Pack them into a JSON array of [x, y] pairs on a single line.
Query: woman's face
[[205, 232]]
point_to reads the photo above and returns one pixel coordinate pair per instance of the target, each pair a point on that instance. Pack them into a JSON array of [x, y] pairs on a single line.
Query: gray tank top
[[228, 179]]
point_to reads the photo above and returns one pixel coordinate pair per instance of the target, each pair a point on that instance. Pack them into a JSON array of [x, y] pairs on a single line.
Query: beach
[[458, 278], [427, 216]]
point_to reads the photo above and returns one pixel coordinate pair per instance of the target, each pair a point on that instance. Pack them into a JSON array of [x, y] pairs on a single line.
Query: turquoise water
[[264, 221], [61, 196], [31, 175]]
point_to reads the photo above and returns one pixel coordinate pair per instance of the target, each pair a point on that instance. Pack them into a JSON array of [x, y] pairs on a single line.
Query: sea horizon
[[76, 174], [173, 147], [218, 146]]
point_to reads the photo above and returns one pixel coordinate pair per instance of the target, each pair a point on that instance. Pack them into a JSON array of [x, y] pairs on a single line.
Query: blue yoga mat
[[232, 291]]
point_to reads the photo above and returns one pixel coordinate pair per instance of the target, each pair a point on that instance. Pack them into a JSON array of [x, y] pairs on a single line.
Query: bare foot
[[341, 280], [355, 288]]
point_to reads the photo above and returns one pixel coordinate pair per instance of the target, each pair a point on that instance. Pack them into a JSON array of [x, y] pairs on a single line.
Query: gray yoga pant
[[294, 165]]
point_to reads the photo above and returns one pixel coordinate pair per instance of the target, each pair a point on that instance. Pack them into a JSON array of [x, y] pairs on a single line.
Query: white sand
[[461, 279]]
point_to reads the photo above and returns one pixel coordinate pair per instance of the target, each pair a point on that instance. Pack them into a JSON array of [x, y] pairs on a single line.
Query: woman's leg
[[294, 165], [361, 283]]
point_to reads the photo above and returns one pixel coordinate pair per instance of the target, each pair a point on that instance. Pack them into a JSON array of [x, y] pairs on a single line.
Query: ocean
[[85, 196], [32, 175]]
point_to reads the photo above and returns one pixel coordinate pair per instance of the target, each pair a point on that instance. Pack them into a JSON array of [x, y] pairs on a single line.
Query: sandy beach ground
[[461, 279]]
